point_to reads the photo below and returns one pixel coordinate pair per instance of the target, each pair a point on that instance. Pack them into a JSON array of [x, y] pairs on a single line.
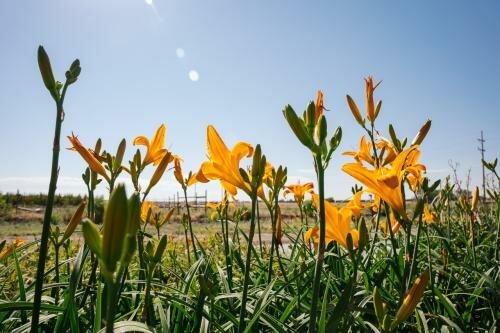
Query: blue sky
[[437, 59]]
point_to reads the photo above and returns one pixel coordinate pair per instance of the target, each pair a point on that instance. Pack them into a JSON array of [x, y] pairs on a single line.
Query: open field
[[405, 253]]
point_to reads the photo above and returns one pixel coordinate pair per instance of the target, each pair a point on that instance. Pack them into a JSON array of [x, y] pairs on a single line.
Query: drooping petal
[[241, 150], [141, 140]]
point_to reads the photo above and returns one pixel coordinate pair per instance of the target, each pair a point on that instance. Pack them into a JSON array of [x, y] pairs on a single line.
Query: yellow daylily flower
[[395, 225], [18, 242], [415, 171], [219, 206], [299, 191], [145, 208], [355, 204], [155, 148], [429, 217], [384, 182], [88, 156], [338, 225], [374, 205], [224, 164], [364, 153], [214, 205], [390, 152], [190, 180]]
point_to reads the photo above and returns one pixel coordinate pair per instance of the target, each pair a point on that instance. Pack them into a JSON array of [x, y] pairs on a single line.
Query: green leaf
[[98, 307], [341, 307], [129, 326]]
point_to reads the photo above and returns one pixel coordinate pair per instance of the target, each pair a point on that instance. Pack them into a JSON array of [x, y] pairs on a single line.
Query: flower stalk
[[58, 95]]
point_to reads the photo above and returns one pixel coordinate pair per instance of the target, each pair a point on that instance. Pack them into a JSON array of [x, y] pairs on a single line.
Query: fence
[[177, 201]]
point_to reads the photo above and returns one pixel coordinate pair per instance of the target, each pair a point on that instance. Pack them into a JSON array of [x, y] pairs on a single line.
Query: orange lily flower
[[355, 205], [429, 217], [155, 148], [374, 205], [364, 153], [395, 225], [299, 191], [384, 182], [88, 156], [338, 225], [224, 164], [145, 208], [415, 170], [390, 152], [18, 242]]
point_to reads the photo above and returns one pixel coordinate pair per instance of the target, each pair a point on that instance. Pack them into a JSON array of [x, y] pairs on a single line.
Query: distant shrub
[[5, 207]]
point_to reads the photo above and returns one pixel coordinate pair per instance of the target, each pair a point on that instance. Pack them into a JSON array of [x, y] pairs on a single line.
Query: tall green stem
[[415, 252], [190, 224], [241, 326], [56, 270], [229, 256], [273, 239], [321, 248], [258, 229], [111, 308], [40, 272]]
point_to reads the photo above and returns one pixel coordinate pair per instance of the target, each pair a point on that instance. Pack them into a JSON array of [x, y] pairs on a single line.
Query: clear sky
[[235, 64]]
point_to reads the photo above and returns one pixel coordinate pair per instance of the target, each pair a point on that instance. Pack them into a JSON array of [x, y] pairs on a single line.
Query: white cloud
[[149, 2]]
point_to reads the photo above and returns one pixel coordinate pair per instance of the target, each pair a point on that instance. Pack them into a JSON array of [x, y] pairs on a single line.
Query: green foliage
[[459, 297]]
